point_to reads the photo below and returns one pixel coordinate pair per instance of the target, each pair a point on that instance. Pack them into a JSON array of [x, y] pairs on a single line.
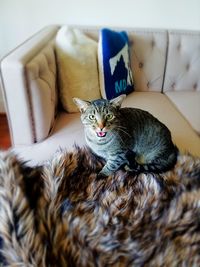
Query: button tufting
[[187, 66], [48, 59], [141, 65], [179, 46], [195, 86], [37, 71], [40, 72], [173, 85], [131, 42]]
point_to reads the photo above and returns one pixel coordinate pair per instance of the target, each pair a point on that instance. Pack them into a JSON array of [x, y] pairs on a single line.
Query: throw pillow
[[77, 67], [114, 64]]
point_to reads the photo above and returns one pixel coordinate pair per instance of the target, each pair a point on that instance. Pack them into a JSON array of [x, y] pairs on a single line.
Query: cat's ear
[[117, 101], [81, 104]]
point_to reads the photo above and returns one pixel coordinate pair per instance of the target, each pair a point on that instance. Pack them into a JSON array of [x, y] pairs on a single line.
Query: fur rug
[[61, 214]]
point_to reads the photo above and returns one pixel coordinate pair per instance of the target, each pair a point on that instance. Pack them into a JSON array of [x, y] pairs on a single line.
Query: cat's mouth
[[101, 134]]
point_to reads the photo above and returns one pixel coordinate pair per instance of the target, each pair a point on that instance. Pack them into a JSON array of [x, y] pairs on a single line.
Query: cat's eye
[[91, 117], [109, 117]]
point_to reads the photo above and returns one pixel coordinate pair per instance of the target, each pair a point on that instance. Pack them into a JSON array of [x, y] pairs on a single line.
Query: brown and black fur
[[61, 214]]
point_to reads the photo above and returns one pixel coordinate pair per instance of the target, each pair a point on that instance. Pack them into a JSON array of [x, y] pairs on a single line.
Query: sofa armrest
[[29, 86]]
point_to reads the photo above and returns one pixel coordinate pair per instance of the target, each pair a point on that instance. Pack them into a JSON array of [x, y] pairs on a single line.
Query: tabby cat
[[128, 137]]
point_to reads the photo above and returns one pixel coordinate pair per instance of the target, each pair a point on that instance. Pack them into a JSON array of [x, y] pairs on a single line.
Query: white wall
[[21, 18]]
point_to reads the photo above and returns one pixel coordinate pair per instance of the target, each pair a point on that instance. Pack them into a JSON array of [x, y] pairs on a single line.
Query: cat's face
[[100, 116]]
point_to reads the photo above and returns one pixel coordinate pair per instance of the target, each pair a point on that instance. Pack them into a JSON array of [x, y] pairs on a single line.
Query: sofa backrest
[[168, 61], [183, 61], [162, 60], [148, 51]]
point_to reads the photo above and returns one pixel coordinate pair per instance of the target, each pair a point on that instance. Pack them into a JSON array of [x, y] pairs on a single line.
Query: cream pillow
[[77, 67]]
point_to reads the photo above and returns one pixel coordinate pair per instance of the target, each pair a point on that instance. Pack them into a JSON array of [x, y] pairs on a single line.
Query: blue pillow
[[114, 64]]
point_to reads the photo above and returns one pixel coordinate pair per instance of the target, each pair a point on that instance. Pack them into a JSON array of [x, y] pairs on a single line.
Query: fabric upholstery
[[16, 92], [41, 80], [68, 129], [188, 103], [183, 61], [67, 132], [182, 79], [148, 56]]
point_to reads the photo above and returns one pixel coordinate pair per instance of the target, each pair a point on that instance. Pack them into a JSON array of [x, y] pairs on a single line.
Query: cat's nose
[[101, 125]]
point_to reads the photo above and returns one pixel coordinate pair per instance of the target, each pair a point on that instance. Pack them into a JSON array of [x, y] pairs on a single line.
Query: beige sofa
[[166, 71]]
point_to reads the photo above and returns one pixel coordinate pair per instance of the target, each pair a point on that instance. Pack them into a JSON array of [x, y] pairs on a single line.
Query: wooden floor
[[5, 141]]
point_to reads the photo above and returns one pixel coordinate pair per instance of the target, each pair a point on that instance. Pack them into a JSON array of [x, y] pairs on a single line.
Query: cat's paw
[[127, 168], [131, 169]]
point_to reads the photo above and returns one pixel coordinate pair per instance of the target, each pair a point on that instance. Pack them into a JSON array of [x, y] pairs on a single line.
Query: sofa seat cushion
[[67, 132], [188, 103], [68, 129]]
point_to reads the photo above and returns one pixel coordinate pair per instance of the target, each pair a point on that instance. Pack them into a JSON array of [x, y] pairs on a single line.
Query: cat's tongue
[[101, 134]]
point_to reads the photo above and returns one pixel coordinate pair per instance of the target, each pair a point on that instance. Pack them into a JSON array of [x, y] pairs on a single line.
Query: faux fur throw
[[62, 215]]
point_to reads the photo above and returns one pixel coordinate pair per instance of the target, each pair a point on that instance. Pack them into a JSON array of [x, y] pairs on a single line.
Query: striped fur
[[62, 214]]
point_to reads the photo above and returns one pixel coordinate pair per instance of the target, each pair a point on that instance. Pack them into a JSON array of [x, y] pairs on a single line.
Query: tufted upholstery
[[183, 62], [166, 68], [148, 54], [147, 48], [41, 83], [15, 82]]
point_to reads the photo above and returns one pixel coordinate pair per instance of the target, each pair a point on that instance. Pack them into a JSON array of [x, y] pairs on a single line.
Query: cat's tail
[[158, 165]]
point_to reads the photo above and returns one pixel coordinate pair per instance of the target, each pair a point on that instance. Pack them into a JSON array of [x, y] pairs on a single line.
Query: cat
[[126, 137]]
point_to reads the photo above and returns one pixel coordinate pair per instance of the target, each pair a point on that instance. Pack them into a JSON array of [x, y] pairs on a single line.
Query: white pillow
[[77, 67]]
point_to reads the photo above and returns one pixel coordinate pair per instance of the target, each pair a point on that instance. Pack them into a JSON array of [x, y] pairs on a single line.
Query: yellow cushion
[[77, 67]]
